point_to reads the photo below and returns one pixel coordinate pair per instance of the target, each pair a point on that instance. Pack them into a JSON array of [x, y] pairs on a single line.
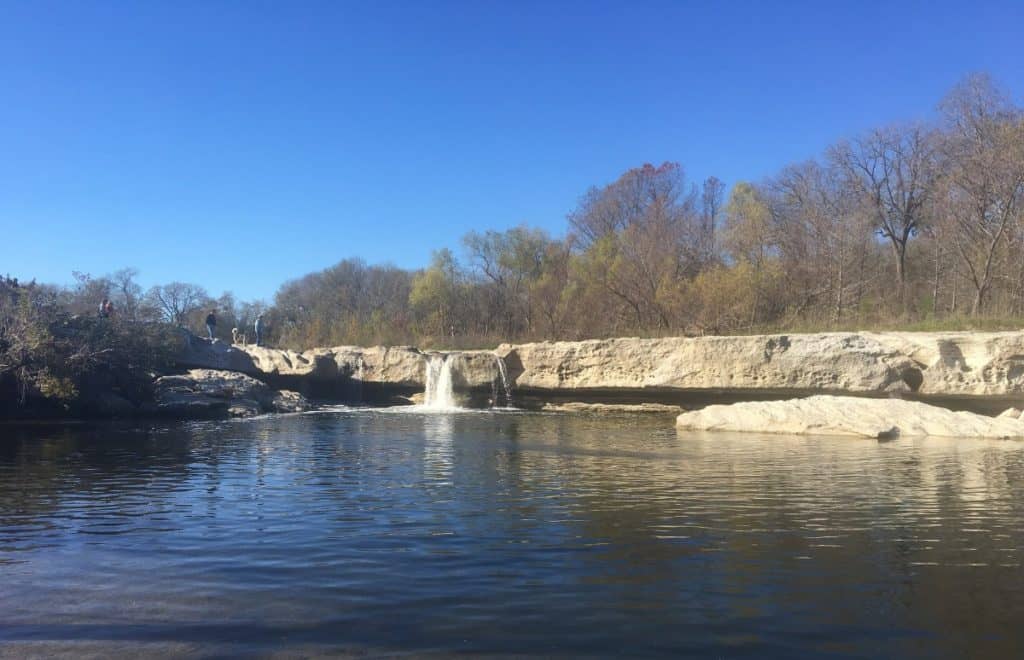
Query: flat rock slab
[[852, 416]]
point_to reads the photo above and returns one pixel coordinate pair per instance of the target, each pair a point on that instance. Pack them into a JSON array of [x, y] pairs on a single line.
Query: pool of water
[[371, 532]]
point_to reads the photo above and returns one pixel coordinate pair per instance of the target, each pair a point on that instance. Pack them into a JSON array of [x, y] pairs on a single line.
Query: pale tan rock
[[833, 361], [938, 364], [1012, 413], [962, 363], [377, 365], [854, 416]]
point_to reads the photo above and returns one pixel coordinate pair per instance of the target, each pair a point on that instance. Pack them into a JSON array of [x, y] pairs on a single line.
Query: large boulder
[[854, 416], [201, 353], [204, 393]]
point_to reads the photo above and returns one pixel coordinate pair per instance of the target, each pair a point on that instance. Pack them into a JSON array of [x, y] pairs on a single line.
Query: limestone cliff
[[961, 364]]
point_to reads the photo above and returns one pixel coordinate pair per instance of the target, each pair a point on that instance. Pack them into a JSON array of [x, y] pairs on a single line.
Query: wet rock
[[577, 406], [203, 393]]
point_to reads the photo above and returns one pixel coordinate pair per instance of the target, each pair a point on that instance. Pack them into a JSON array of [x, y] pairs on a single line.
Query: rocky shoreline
[[965, 365], [983, 372]]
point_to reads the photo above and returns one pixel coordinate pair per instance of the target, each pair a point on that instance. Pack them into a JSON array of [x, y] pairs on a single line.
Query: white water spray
[[440, 394]]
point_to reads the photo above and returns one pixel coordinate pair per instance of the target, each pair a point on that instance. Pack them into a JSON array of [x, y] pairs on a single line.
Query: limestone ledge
[[929, 364]]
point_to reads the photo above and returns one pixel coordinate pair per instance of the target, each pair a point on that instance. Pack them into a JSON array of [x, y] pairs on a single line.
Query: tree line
[[913, 223]]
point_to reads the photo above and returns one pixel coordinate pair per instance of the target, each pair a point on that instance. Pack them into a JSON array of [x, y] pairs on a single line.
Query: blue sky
[[240, 144]]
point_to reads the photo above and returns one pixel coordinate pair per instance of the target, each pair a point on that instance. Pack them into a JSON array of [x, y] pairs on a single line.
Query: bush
[[54, 360]]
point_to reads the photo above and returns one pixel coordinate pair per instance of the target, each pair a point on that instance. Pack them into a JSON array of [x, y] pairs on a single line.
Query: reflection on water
[[500, 533]]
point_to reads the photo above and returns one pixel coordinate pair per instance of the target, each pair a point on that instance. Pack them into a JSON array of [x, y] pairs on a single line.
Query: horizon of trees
[[901, 224]]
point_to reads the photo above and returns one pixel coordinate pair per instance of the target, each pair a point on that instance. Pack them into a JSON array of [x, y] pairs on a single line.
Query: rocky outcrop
[[923, 365], [206, 393], [962, 363], [846, 362], [377, 365], [854, 416], [200, 353]]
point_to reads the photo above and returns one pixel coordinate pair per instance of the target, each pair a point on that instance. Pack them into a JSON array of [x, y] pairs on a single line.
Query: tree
[[177, 301], [127, 293], [985, 176], [511, 262], [821, 232], [435, 293], [639, 196], [711, 200], [895, 171]]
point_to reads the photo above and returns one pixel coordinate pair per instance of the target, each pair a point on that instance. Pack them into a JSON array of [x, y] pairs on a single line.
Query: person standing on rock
[[211, 323], [258, 326]]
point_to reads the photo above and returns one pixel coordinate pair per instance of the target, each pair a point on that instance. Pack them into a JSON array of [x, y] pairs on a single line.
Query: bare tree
[[127, 292], [177, 300], [894, 170], [711, 200], [985, 177]]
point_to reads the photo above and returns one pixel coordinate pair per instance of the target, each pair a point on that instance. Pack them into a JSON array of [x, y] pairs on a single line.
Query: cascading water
[[440, 394], [360, 364], [505, 384]]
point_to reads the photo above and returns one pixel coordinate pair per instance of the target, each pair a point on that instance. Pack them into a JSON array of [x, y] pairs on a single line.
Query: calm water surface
[[368, 532]]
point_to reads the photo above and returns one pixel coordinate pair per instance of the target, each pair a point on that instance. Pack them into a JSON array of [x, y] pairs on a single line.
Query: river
[[373, 532]]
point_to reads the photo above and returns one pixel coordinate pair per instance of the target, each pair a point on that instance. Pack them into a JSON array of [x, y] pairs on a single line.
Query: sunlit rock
[[203, 393], [854, 416]]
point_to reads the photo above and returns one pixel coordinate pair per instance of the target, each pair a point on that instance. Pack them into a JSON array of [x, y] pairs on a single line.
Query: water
[[361, 532], [506, 386], [440, 394]]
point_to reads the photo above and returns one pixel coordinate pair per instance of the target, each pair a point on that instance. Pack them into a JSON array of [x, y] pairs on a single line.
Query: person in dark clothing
[[211, 323], [104, 308], [258, 326]]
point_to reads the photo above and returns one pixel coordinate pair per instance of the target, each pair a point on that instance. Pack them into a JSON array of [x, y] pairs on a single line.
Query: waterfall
[[505, 384], [360, 363], [440, 394]]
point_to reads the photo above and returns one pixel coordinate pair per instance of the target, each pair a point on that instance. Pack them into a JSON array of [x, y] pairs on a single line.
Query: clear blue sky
[[240, 144]]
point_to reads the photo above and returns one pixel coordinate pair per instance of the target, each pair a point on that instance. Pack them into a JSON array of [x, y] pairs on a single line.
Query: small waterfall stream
[[360, 376], [505, 384], [440, 394]]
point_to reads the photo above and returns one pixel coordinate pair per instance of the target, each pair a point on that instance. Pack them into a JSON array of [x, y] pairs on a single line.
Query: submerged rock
[[855, 416], [578, 406], [204, 393]]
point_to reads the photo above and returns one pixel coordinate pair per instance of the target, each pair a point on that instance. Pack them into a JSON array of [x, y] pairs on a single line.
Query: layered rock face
[[402, 366], [961, 364], [389, 365], [831, 362], [205, 393], [958, 364], [854, 416]]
